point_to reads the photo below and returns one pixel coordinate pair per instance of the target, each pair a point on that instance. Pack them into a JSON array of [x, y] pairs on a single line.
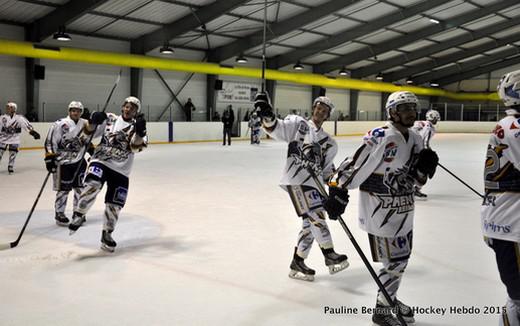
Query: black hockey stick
[[461, 181], [15, 243], [360, 252], [89, 139], [263, 46]]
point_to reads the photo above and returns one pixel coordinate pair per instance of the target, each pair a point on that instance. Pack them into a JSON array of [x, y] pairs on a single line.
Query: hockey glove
[[34, 134], [336, 203], [98, 118], [263, 106], [50, 162], [140, 125], [427, 162]]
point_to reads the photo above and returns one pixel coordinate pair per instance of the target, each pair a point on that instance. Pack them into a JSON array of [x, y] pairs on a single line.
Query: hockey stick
[[461, 181], [15, 243], [394, 306], [263, 46], [89, 139]]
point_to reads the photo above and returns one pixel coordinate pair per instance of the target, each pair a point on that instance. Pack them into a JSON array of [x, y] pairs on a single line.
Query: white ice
[[207, 236]]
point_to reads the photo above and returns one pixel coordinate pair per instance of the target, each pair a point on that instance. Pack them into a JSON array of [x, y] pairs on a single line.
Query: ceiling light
[[435, 21], [241, 59], [409, 80], [60, 35], [166, 49], [434, 84], [379, 76], [298, 66], [343, 72]]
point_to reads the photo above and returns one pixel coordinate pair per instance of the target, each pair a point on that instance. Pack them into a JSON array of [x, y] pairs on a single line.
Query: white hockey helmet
[[433, 115], [508, 89], [135, 101], [401, 97], [12, 105], [325, 101], [76, 105]]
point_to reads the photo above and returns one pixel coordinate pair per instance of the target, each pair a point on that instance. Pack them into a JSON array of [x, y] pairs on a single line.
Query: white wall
[[370, 104], [293, 97], [12, 71]]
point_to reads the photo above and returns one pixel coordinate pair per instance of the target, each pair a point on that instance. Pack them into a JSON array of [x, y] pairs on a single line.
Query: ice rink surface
[[207, 236]]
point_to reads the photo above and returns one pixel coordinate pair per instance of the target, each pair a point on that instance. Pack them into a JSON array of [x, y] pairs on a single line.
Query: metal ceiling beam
[[349, 35], [465, 66], [185, 24], [432, 49], [276, 29], [479, 71], [420, 34], [441, 61], [61, 16]]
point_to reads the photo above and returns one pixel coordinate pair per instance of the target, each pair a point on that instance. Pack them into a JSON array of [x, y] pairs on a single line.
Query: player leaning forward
[[64, 151], [500, 210], [387, 166], [310, 147], [121, 137]]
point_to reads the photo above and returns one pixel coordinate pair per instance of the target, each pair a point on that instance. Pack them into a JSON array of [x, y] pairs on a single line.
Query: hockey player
[[310, 147], [111, 162], [426, 129], [386, 167], [11, 125], [499, 213], [64, 148], [255, 125]]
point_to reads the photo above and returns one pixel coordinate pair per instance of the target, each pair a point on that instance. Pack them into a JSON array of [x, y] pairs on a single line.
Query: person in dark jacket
[[228, 117]]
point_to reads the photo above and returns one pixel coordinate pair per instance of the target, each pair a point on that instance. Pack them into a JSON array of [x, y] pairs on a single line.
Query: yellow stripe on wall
[[29, 50]]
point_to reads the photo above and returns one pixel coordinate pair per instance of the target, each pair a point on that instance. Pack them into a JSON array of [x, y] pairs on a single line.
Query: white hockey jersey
[[308, 146], [118, 144], [65, 138], [11, 128], [382, 169], [499, 211], [426, 130]]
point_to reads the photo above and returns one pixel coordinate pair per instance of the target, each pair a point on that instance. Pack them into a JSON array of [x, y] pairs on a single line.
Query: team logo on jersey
[[378, 132], [65, 128], [95, 170], [120, 195], [390, 152], [303, 128], [398, 204]]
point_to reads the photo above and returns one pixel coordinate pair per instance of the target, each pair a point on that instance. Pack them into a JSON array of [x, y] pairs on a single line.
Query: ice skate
[[77, 222], [61, 219], [420, 195], [405, 311], [383, 316], [107, 242], [299, 270], [10, 169], [335, 262]]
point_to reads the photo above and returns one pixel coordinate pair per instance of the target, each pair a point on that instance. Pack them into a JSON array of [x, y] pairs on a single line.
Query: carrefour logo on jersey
[[390, 152], [496, 228]]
